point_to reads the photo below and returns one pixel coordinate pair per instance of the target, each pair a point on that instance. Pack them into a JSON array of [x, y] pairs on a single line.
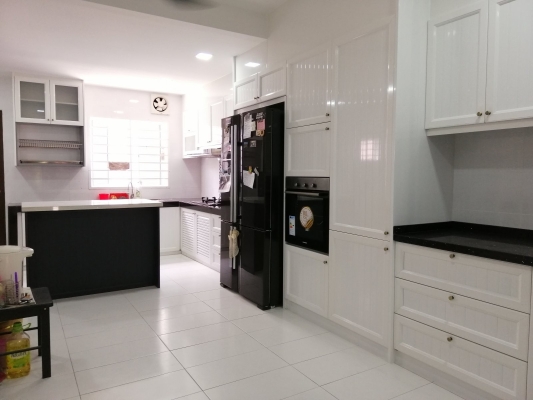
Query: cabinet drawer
[[489, 370], [504, 284], [496, 327]]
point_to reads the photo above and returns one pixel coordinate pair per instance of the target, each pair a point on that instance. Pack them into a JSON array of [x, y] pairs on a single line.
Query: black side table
[[41, 310]]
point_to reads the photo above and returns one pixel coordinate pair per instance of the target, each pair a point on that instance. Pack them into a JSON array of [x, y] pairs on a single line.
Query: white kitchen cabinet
[[361, 154], [497, 282], [498, 328], [456, 67], [203, 238], [478, 67], [307, 150], [360, 283], [510, 56], [309, 85], [306, 279], [190, 133], [259, 87], [228, 106], [489, 370], [169, 230], [188, 233], [215, 242], [49, 101], [216, 113]]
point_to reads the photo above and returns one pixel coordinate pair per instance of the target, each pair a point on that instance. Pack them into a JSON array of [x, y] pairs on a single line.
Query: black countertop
[[190, 203], [494, 242]]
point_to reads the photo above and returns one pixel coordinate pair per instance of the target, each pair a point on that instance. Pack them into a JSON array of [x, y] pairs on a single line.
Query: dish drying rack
[[50, 144]]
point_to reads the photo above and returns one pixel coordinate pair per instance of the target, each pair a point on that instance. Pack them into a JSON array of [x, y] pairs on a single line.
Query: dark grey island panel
[[94, 249]]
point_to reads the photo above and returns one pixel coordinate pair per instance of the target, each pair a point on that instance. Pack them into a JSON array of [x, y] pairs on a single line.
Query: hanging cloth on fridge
[[233, 243]]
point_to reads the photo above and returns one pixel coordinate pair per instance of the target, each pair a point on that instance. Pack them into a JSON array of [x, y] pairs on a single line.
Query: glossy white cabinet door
[[245, 92], [360, 283], [306, 279], [272, 83], [216, 111], [307, 150], [497, 282], [228, 106], [510, 59], [188, 233], [362, 132], [499, 328], [309, 88], [489, 370], [203, 238], [169, 230], [66, 102], [32, 100], [456, 67]]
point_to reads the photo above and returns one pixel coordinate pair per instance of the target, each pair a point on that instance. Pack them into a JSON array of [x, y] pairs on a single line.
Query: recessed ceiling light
[[134, 101], [252, 64], [118, 112], [204, 56], [40, 110]]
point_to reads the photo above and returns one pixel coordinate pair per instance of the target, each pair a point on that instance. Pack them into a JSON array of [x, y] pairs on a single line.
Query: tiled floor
[[192, 340]]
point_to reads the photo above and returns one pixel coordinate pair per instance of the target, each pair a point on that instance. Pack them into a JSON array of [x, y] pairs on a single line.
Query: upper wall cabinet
[[260, 87], [362, 132], [309, 88], [478, 65], [307, 150], [45, 101]]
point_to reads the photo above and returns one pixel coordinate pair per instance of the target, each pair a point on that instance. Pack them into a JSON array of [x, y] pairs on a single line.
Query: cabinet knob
[[325, 262], [327, 128], [386, 233], [487, 113], [479, 114], [452, 255], [451, 297], [327, 114], [386, 249], [449, 339]]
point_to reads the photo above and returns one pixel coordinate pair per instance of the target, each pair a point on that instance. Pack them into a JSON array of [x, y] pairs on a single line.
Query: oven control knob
[[304, 185], [295, 185], [313, 185]]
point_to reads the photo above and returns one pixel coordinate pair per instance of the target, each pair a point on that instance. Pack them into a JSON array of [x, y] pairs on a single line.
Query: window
[[125, 151]]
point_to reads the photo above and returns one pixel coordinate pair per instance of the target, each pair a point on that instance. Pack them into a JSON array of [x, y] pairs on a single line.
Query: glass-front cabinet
[[45, 101]]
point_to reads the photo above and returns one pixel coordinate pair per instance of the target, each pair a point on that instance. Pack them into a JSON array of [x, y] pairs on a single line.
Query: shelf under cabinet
[[50, 144], [37, 162]]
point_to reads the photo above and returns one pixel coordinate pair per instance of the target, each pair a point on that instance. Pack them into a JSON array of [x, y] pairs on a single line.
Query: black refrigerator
[[251, 186]]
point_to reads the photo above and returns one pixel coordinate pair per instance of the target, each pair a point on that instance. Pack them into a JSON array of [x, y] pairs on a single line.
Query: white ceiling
[[110, 46]]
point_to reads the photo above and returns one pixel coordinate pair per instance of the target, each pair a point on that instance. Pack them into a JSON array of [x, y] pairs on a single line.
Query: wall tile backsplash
[[493, 178]]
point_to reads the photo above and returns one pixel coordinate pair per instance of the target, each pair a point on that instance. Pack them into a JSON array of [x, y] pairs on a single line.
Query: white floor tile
[[60, 359], [175, 311], [194, 286], [101, 378], [146, 294], [240, 311], [273, 385], [164, 387], [231, 369], [215, 294], [196, 396], [265, 320], [109, 338], [163, 302], [59, 387], [315, 394], [216, 350], [102, 324], [117, 353], [186, 322], [312, 347], [75, 315], [382, 383], [191, 337], [227, 302], [430, 391], [286, 332], [335, 366]]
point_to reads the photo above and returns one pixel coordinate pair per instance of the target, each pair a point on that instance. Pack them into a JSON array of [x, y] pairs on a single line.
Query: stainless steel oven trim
[[305, 193]]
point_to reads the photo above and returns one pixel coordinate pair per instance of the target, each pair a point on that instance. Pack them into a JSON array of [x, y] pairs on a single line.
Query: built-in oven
[[307, 213]]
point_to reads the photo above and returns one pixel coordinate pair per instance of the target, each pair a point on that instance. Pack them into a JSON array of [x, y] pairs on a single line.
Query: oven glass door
[[307, 220]]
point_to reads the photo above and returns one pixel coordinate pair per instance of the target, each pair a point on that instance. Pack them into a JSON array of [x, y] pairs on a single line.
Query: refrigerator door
[[228, 186], [228, 270]]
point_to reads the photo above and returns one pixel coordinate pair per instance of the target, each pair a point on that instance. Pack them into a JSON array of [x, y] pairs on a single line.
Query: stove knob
[[304, 185], [313, 185]]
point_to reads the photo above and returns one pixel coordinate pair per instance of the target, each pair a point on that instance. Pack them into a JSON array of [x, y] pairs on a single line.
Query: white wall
[[493, 178], [423, 169], [41, 183], [210, 177]]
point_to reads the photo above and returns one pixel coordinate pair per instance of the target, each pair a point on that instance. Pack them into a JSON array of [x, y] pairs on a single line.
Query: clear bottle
[[18, 364]]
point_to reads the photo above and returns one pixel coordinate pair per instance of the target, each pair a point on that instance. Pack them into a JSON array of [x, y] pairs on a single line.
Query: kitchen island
[[93, 246]]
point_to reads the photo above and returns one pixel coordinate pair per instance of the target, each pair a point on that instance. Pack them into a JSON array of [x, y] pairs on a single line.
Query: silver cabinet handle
[[451, 297], [487, 113], [325, 262], [449, 339], [452, 255], [479, 114], [386, 233], [327, 128], [386, 249], [327, 114]]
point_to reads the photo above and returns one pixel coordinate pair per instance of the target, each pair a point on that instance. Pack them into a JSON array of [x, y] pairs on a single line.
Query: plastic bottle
[[18, 364]]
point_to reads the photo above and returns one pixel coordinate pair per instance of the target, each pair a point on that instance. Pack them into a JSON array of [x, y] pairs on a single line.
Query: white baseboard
[[169, 252]]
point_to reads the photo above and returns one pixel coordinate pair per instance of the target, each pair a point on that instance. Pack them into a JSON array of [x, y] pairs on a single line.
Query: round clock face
[[306, 218], [160, 104]]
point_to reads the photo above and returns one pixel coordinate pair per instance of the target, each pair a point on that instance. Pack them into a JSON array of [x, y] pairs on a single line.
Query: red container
[[103, 196]]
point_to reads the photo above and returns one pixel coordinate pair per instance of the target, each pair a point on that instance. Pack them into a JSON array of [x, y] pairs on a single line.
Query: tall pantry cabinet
[[360, 276]]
